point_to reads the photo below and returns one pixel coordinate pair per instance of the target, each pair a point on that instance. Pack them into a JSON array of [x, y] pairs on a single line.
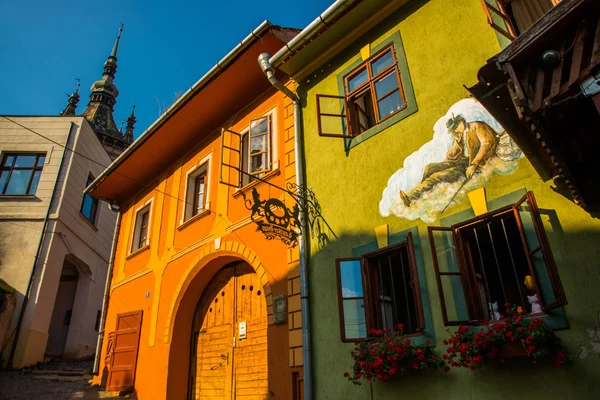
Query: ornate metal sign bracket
[[276, 221]]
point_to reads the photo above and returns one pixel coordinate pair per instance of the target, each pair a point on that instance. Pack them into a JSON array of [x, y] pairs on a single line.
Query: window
[[197, 191], [511, 17], [499, 257], [89, 207], [246, 156], [373, 92], [378, 291], [21, 173], [141, 232]]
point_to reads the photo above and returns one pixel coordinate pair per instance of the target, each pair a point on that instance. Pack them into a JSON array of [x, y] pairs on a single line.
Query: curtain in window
[[527, 12]]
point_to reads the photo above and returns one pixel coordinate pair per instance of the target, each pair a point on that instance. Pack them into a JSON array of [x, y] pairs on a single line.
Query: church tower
[[99, 111]]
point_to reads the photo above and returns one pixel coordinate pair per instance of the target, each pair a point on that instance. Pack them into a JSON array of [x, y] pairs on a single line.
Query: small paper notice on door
[[242, 330]]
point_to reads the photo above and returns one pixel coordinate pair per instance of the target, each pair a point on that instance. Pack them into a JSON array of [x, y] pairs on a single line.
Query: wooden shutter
[[231, 158], [331, 116], [121, 375], [452, 282], [345, 300], [539, 256], [498, 18], [416, 287]]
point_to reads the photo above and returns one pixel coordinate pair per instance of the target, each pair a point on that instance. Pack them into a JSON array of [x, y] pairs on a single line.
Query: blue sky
[[166, 46]]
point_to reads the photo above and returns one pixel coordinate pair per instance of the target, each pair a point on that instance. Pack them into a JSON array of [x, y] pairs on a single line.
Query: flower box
[[512, 349], [514, 335], [387, 355]]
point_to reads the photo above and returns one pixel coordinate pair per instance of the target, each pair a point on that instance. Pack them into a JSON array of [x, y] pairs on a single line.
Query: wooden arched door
[[226, 364]]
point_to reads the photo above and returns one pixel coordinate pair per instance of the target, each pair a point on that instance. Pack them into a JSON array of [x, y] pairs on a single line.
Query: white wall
[[68, 233]]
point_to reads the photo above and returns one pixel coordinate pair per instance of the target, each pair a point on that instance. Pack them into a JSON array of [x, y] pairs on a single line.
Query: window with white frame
[[248, 155], [142, 229], [197, 191]]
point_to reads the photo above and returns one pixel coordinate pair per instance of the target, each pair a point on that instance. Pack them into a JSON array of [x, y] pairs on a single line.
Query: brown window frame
[[370, 290], [233, 150], [348, 113], [36, 167], [141, 231], [466, 270], [200, 181], [490, 10]]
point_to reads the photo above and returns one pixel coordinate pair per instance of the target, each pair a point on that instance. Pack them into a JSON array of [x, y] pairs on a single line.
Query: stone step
[[60, 372], [63, 378]]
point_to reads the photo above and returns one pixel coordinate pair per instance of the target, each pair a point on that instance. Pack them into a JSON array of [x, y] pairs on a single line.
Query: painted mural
[[468, 147]]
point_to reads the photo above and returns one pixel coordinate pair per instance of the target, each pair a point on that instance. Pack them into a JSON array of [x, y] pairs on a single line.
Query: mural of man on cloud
[[467, 148]]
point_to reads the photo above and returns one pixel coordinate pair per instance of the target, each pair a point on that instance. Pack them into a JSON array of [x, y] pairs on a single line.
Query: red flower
[[446, 368], [393, 371], [427, 341], [472, 366], [346, 374], [477, 359]]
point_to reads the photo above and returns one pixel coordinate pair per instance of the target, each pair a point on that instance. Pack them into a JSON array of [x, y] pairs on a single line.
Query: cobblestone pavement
[[43, 382]]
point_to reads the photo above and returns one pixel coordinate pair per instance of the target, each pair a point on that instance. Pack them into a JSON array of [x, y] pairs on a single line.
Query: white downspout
[[267, 68]]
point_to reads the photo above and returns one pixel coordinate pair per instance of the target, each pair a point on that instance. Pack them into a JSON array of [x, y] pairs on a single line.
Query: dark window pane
[[3, 177], [382, 62], [86, 208], [41, 160], [351, 278], [25, 161], [259, 162], [34, 182], [18, 182], [9, 160], [389, 105], [258, 143], [358, 79], [355, 326]]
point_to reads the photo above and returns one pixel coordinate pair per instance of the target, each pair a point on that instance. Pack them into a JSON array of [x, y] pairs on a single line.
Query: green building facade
[[396, 169]]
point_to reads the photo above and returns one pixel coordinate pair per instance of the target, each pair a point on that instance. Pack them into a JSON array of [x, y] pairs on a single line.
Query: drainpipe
[[109, 274], [39, 250], [269, 71]]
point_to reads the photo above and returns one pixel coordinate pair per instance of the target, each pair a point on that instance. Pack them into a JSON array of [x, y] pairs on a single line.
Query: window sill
[[193, 219], [18, 197], [87, 221], [415, 338], [252, 185], [554, 319], [138, 251]]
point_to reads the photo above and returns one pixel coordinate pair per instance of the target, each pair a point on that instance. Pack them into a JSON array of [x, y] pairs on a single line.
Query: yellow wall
[[445, 42]]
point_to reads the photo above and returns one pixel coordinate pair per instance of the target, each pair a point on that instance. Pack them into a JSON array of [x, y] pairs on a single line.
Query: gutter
[[209, 76], [109, 274], [39, 250], [322, 22], [269, 71]]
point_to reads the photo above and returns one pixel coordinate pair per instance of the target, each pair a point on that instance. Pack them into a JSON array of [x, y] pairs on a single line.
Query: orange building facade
[[201, 304]]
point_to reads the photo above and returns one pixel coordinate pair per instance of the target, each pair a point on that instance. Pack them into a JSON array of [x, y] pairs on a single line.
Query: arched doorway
[[229, 337]]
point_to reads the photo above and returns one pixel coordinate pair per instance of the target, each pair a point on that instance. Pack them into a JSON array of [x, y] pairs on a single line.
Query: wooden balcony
[[535, 89]]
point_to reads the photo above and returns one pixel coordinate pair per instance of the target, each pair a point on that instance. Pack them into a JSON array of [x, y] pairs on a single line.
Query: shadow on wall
[[576, 253]]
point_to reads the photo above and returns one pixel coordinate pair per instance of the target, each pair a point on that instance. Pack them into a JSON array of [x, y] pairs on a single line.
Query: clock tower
[[99, 111]]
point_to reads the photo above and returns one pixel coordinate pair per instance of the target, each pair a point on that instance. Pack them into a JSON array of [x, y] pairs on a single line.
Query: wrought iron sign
[[274, 219]]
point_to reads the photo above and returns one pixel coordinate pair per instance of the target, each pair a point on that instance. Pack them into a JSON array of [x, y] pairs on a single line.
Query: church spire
[[110, 66], [99, 111], [128, 137], [72, 103]]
